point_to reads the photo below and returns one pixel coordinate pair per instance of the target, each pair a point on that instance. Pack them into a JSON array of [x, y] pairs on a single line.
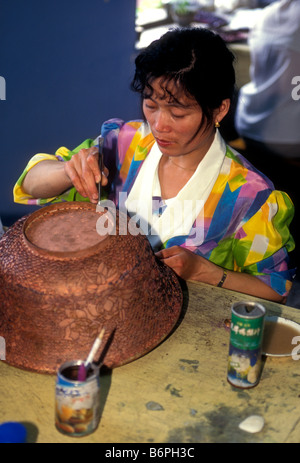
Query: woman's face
[[175, 122]]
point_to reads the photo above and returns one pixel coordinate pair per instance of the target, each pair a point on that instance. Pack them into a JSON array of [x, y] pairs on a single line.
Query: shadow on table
[[105, 385], [32, 432], [185, 303]]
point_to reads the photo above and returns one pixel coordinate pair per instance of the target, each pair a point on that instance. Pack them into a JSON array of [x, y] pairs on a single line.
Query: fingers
[[92, 161], [84, 173], [189, 265], [71, 172], [184, 262], [168, 252], [94, 166], [104, 176], [172, 257]]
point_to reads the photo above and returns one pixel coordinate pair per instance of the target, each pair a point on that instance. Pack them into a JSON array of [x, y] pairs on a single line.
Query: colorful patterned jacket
[[245, 220]]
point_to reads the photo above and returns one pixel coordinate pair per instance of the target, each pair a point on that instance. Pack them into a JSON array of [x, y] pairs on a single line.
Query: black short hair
[[196, 59]]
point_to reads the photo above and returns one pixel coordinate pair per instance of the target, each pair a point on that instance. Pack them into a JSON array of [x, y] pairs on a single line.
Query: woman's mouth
[[163, 143]]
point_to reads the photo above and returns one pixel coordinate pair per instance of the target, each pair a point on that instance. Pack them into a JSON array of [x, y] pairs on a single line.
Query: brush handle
[[94, 349], [91, 355]]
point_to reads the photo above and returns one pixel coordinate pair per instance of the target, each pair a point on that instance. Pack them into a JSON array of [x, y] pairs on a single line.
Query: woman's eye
[[150, 107], [178, 116], [148, 103]]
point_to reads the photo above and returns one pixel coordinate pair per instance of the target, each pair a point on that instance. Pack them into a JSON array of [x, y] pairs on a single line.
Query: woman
[[213, 217]]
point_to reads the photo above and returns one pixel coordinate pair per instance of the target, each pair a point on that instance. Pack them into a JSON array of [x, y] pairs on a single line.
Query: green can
[[246, 334]]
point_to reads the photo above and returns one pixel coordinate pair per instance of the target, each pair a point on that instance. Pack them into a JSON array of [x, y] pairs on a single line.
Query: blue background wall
[[67, 66]]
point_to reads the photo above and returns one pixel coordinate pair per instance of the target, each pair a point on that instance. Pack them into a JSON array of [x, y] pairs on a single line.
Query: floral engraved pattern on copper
[[111, 304]]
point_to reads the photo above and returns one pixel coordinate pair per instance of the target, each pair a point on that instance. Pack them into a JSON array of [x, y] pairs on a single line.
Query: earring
[[217, 124]]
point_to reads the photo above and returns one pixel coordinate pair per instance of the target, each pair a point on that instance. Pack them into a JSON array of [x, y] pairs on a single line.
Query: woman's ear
[[221, 112]]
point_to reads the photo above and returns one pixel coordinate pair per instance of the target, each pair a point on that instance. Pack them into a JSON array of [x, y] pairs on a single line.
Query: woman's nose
[[161, 122]]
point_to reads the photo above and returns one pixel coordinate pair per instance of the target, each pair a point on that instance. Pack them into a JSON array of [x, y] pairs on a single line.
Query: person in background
[[212, 216], [267, 115]]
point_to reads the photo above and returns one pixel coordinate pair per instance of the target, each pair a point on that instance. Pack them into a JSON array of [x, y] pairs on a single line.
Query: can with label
[[246, 333], [77, 403]]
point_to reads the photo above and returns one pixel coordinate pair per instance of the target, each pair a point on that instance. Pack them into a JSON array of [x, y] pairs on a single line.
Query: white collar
[[182, 210]]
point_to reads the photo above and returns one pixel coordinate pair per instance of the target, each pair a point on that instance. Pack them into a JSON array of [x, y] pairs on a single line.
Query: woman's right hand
[[84, 172]]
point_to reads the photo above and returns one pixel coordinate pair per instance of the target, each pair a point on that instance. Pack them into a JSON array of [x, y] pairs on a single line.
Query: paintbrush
[[82, 372]]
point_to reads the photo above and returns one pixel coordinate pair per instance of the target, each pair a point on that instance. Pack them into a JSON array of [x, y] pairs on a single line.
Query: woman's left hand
[[190, 266]]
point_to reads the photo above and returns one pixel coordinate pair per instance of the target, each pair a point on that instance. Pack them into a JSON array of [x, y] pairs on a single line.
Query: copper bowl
[[61, 283]]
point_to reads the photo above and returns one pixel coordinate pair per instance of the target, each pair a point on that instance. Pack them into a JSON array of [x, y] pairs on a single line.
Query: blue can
[[77, 403]]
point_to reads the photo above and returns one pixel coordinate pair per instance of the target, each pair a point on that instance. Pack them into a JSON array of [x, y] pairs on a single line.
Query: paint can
[[246, 334], [77, 403]]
